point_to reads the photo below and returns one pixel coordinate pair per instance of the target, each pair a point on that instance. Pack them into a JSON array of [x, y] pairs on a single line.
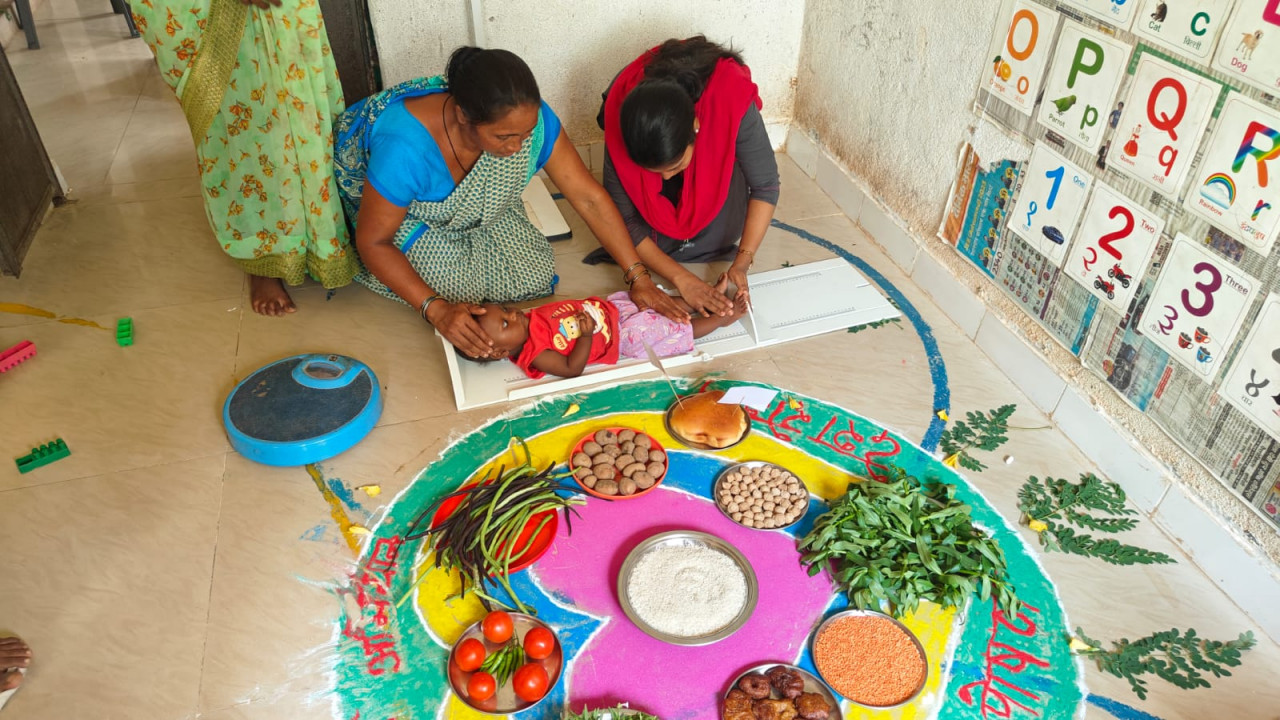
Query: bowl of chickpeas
[[761, 495]]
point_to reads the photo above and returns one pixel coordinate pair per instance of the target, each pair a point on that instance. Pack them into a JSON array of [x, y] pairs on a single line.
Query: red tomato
[[530, 682], [497, 627], [481, 686], [469, 655], [539, 642]]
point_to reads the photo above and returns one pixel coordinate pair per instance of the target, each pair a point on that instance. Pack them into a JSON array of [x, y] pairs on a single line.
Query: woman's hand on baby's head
[[457, 322]]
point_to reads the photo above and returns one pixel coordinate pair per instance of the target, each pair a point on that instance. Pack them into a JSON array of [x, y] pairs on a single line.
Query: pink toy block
[[19, 353]]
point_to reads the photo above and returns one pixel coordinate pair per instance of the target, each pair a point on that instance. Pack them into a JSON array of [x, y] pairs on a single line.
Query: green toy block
[[124, 331], [43, 455]]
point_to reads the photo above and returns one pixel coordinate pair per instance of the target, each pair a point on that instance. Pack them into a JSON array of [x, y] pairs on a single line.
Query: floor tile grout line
[[136, 468], [120, 142], [213, 570]]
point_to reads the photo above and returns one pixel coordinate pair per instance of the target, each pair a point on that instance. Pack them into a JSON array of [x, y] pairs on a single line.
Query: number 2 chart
[[1114, 245], [1253, 385], [1197, 306], [1049, 203]]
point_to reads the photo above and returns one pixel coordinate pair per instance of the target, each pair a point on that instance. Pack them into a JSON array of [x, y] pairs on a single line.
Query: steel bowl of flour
[[686, 587]]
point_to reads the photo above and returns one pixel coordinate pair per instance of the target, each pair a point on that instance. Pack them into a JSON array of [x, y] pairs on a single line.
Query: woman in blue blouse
[[433, 171]]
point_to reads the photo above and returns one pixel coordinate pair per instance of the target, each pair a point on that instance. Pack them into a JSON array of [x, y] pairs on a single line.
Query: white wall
[[575, 47], [415, 37], [888, 87]]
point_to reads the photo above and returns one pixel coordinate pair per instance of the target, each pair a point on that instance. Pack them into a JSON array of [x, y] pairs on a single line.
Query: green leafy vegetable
[[981, 430], [1170, 655], [620, 712], [1051, 506], [900, 542]]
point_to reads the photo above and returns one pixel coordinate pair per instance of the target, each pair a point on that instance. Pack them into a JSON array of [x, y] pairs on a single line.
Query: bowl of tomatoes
[[505, 663]]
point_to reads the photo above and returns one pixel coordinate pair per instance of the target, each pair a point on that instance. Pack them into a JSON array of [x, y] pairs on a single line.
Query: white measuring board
[[787, 304], [543, 211]]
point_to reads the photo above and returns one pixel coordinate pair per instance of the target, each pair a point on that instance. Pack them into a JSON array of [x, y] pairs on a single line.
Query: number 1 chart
[[1049, 203]]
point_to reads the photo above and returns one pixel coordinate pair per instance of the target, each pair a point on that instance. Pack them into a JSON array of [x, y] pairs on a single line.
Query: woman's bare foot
[[268, 296], [13, 654]]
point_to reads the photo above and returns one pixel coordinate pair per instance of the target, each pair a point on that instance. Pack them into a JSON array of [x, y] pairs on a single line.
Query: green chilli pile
[[479, 538]]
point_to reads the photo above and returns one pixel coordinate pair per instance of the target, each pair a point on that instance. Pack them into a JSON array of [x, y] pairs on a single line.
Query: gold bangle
[[631, 267], [638, 275], [629, 277]]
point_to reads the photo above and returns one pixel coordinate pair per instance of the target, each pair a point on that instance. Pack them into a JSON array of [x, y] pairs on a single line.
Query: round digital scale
[[302, 409]]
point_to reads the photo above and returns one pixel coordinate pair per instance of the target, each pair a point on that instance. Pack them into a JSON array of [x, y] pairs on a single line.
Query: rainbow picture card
[[1239, 175]]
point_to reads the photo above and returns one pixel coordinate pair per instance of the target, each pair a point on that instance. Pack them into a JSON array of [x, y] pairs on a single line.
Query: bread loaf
[[702, 419]]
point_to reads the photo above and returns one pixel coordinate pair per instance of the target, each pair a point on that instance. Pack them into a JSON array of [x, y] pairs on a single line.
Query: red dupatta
[[719, 111]]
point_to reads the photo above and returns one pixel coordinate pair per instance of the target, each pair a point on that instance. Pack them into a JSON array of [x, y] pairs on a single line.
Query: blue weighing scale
[[302, 409]]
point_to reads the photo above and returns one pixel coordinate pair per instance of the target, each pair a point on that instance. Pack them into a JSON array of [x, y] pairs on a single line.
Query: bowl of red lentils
[[870, 659]]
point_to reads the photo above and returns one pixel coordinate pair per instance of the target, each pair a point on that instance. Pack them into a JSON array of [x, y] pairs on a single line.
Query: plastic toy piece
[[16, 355], [43, 455], [124, 332]]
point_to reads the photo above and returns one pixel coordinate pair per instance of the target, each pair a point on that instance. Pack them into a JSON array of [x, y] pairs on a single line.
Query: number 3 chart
[[1163, 121], [1197, 306], [1021, 55], [1049, 203], [1113, 248], [1235, 190], [1254, 383]]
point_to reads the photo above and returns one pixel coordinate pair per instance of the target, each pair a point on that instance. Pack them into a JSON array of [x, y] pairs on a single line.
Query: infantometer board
[[391, 661], [788, 304]]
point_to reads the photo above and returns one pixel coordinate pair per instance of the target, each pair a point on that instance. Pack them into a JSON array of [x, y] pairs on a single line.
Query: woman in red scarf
[[689, 165]]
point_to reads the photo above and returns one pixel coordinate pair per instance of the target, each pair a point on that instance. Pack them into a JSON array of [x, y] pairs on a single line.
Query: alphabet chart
[[1086, 72], [1049, 203], [1143, 229], [1163, 120], [1190, 29], [1018, 67], [1250, 46], [1253, 385], [1114, 246], [1238, 178], [1113, 12], [1197, 306]]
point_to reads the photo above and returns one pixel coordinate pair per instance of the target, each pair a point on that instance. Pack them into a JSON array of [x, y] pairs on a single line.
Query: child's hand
[[586, 325]]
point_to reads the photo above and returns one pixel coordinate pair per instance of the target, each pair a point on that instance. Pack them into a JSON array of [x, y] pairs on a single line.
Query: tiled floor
[[160, 576]]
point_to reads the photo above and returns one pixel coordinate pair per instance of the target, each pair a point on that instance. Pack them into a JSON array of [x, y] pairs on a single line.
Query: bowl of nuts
[[761, 495], [618, 463]]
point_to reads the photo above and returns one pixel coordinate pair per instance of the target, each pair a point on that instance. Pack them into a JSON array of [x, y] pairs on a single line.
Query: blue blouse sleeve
[[404, 162], [550, 133]]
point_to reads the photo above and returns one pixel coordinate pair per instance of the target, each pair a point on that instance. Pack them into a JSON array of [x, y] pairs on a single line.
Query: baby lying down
[[546, 339]]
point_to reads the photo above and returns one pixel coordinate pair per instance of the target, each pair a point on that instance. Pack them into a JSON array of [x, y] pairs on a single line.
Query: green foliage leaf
[[1171, 655], [982, 430], [1092, 504], [903, 542]]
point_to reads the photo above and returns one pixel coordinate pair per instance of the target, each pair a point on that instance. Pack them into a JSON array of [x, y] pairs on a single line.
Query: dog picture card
[[1250, 44]]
